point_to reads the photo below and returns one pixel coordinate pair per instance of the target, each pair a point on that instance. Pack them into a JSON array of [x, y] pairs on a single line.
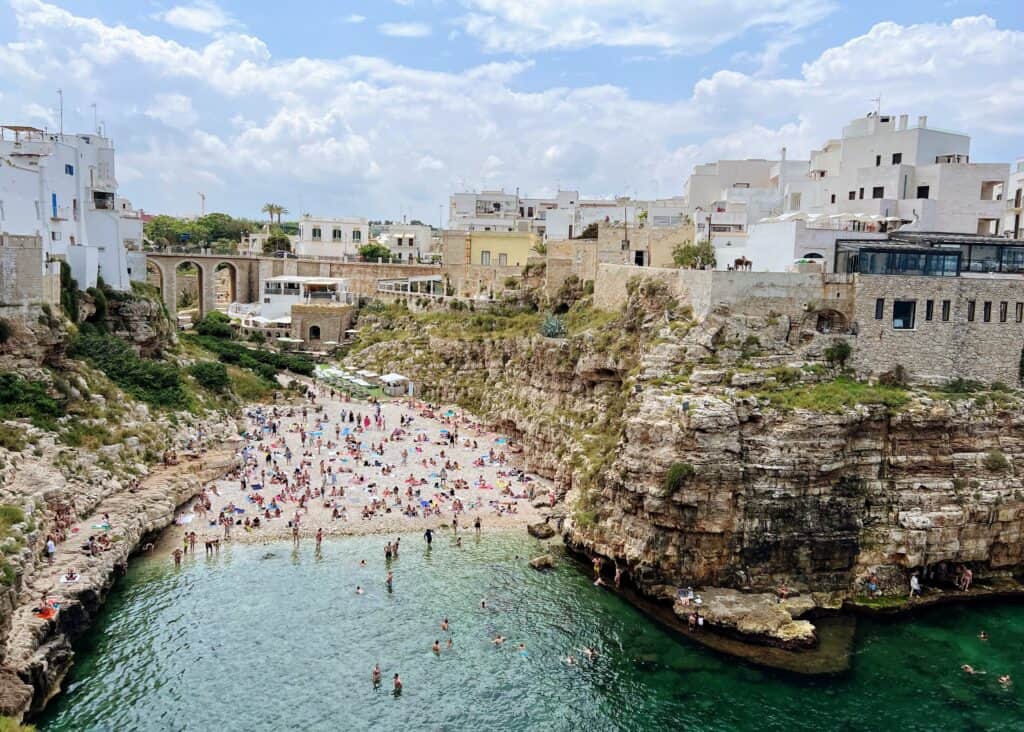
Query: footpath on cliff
[[52, 610]]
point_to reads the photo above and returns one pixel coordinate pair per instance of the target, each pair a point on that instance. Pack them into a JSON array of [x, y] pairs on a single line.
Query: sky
[[384, 108]]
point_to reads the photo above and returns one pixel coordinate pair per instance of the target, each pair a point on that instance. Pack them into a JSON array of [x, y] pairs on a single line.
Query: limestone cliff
[[731, 452]]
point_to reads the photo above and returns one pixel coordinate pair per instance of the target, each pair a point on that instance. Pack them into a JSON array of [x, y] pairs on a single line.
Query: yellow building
[[500, 248]]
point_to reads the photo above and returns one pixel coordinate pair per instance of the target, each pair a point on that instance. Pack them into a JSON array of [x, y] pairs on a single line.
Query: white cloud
[[355, 18], [517, 27], [203, 16], [174, 110], [404, 30], [363, 135]]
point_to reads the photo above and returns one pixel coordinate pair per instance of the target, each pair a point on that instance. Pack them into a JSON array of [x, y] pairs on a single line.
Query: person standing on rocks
[[51, 548]]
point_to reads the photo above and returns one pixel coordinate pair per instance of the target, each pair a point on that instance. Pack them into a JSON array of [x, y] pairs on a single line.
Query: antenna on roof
[[60, 109], [95, 123], [878, 104]]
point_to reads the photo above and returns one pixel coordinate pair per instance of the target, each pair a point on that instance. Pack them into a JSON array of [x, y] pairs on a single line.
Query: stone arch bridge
[[247, 272]]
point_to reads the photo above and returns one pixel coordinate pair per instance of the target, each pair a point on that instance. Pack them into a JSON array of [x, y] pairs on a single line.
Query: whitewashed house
[[63, 188], [331, 237]]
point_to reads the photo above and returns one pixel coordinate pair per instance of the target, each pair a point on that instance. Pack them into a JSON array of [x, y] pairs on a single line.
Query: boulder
[[541, 530], [544, 561]]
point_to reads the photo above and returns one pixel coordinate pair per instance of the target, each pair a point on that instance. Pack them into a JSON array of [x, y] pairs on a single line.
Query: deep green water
[[243, 642]]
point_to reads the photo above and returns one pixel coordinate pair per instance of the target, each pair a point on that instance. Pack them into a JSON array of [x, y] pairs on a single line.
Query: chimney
[[922, 121], [903, 122], [783, 154]]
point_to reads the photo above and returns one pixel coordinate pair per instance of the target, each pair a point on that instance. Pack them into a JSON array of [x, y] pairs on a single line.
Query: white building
[[562, 217], [1013, 225], [407, 242], [916, 176], [63, 188], [881, 174], [331, 237]]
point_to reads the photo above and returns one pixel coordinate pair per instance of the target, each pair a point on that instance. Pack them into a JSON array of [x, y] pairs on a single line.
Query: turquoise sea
[[264, 637]]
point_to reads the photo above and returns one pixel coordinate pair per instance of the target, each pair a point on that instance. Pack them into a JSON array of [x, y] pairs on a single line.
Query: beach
[[351, 461]]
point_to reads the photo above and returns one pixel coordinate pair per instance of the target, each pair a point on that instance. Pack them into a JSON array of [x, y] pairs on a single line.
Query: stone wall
[[939, 349], [21, 270], [333, 321], [784, 293]]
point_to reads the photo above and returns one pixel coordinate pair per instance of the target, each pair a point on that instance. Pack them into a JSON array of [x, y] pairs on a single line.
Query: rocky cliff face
[[731, 452]]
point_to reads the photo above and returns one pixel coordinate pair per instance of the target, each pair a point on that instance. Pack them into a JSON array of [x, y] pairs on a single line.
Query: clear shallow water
[[242, 642]]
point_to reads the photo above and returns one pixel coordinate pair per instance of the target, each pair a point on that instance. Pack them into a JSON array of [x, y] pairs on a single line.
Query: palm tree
[[270, 209], [280, 210]]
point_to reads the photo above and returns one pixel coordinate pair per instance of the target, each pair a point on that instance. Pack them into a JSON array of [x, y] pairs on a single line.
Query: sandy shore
[[364, 474]]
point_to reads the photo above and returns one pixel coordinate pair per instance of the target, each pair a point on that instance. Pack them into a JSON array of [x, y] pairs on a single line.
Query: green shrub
[[12, 438], [216, 324], [838, 353], [153, 382], [996, 461], [553, 327], [677, 475], [21, 399], [68, 292], [99, 317], [835, 396], [211, 375]]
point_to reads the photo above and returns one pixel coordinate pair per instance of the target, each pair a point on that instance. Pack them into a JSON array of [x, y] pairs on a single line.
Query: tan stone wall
[[658, 243], [21, 270], [333, 321], [938, 349]]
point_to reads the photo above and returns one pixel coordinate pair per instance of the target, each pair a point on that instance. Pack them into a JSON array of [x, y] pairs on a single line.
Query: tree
[[540, 248], [281, 210], [270, 209], [589, 231], [372, 252], [694, 256], [278, 241]]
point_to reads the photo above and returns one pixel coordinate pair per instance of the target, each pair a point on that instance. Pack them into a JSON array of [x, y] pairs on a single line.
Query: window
[[922, 191], [945, 311], [314, 332], [336, 234], [485, 259], [502, 260], [878, 192], [897, 158], [316, 233], [929, 309], [357, 236], [69, 169], [970, 311], [833, 198], [986, 312], [879, 308], [878, 160], [853, 195], [1020, 312], [529, 212], [860, 193], [903, 314], [1003, 307]]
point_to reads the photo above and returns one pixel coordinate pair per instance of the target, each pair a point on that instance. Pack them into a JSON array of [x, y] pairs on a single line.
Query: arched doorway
[[189, 290], [314, 332], [225, 285]]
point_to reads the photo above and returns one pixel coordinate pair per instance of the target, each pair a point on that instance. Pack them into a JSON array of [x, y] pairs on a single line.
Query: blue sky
[[383, 108]]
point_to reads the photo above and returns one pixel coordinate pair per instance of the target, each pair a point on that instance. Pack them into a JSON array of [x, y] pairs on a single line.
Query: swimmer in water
[[436, 648], [375, 674], [570, 659], [522, 650], [362, 562], [444, 625], [448, 645], [589, 652], [359, 590], [397, 685], [483, 603], [970, 670], [1005, 680], [983, 635], [498, 640], [389, 580]]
